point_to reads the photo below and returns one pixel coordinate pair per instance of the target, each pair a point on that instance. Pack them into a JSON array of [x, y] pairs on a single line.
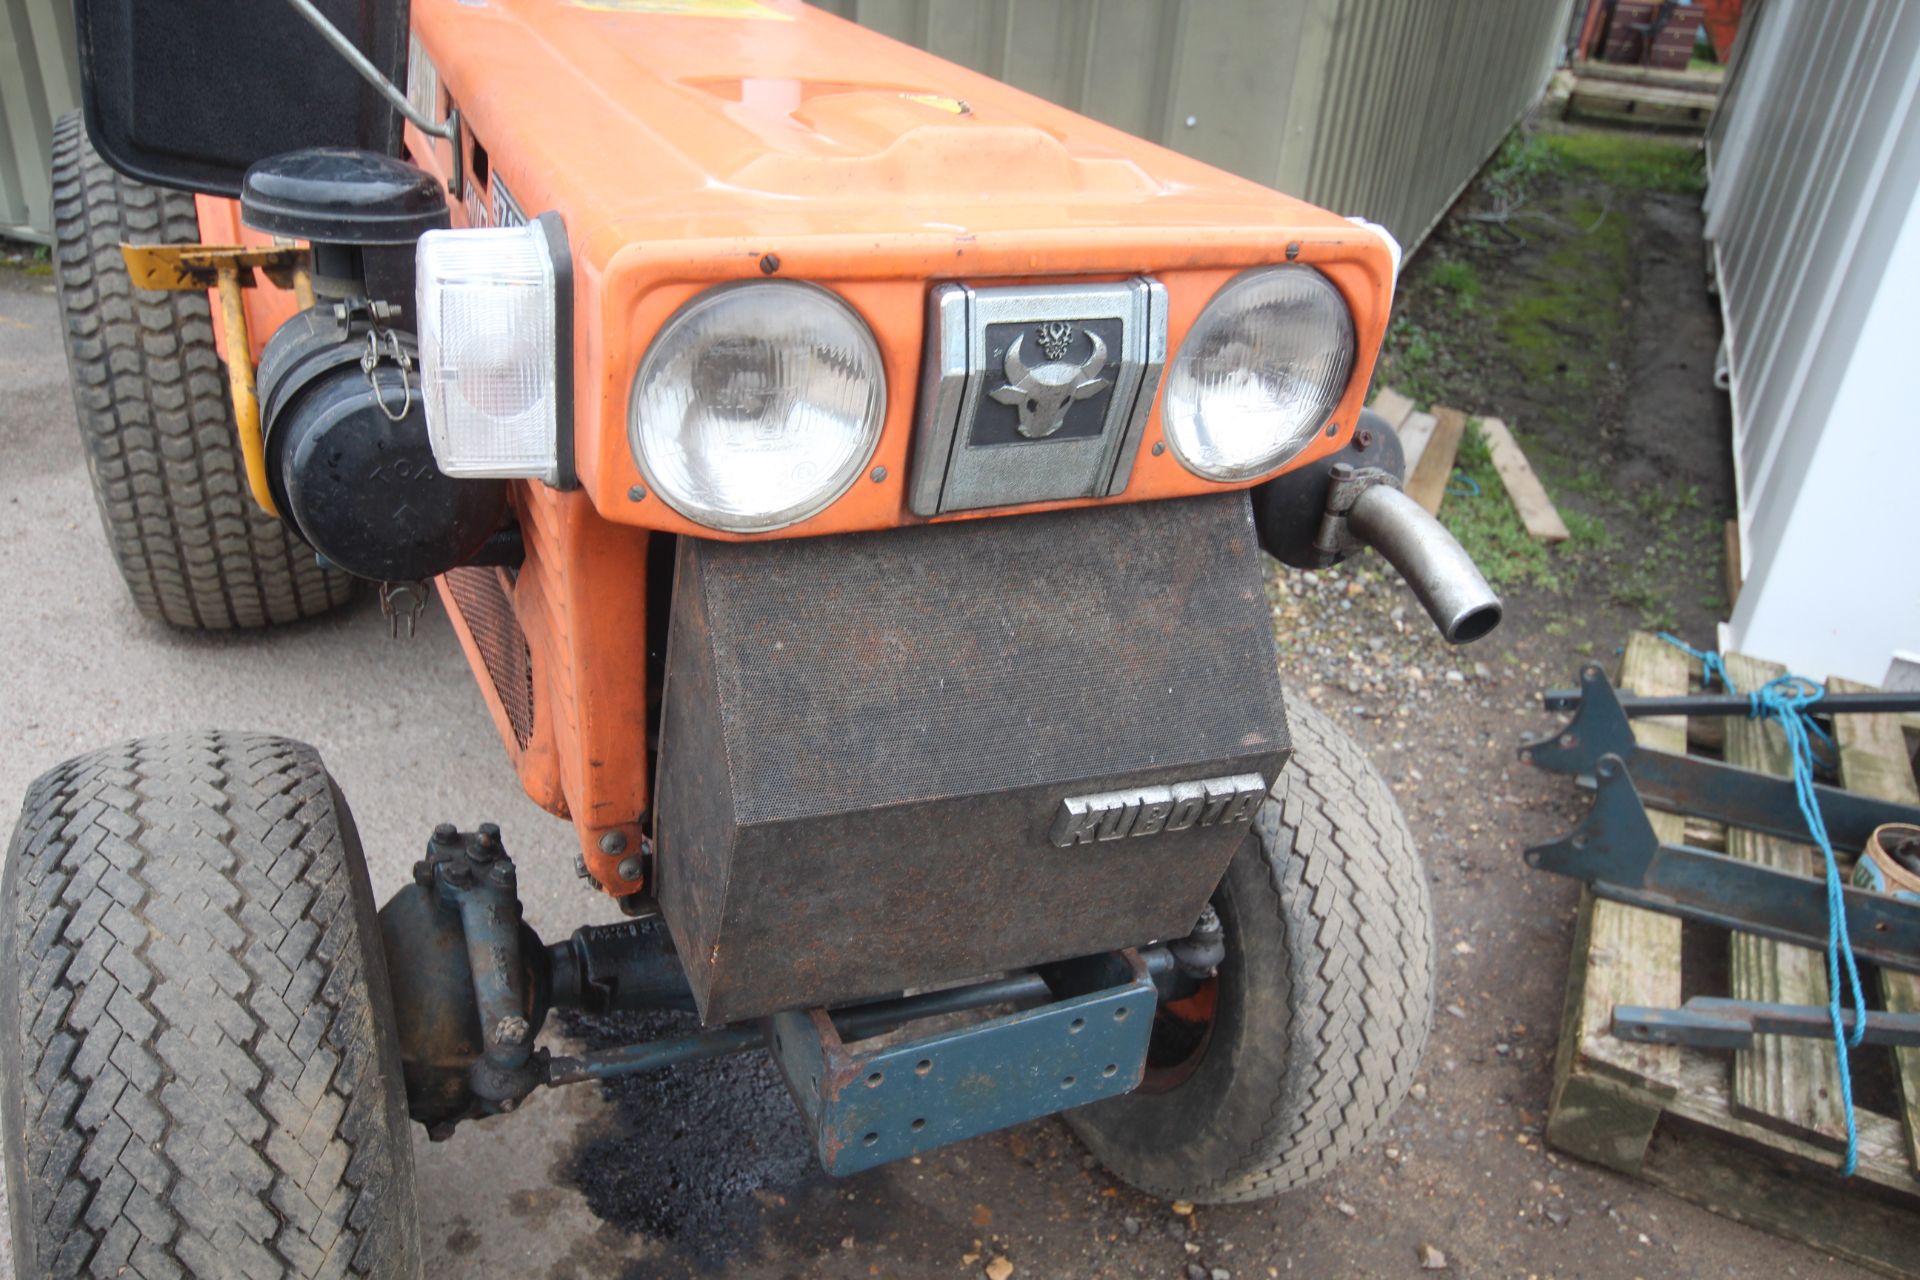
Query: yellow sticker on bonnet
[[689, 8]]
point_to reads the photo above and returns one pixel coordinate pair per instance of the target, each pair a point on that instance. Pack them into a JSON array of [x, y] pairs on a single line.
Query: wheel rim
[[1182, 1034]]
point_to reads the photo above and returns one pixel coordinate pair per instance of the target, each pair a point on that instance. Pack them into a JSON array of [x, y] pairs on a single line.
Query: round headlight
[[1259, 373], [757, 405]]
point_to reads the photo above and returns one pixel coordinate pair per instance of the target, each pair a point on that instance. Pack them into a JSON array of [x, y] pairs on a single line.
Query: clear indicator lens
[[757, 405], [1259, 373], [487, 373]]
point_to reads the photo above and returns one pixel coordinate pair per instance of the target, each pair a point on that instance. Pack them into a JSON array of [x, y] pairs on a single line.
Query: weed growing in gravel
[[1458, 278], [1510, 175], [32, 260], [1415, 361], [1666, 531]]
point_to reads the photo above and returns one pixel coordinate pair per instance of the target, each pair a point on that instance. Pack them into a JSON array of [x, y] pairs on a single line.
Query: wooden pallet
[[1604, 98], [1747, 1135], [1706, 83], [1430, 442]]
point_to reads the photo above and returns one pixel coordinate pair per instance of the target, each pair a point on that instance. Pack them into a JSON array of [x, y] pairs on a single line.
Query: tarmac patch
[[696, 1153]]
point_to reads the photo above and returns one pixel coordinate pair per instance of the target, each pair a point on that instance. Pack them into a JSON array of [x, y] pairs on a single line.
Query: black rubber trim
[[555, 229], [161, 86]]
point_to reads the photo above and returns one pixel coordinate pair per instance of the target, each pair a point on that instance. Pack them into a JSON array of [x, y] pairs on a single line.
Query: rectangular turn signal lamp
[[493, 320]]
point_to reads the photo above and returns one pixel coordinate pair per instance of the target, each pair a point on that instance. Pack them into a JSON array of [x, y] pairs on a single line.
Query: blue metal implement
[[1614, 849], [1734, 704], [1710, 1022], [1702, 788], [869, 1105]]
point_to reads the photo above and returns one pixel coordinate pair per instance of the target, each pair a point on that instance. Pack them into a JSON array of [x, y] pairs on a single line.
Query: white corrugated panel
[[1814, 214]]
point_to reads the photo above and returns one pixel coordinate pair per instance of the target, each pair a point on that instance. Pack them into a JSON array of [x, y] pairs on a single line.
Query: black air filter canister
[[897, 759]]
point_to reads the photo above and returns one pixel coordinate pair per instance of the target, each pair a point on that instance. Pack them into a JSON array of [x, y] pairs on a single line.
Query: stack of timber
[[1432, 442], [1644, 95], [1755, 1135]]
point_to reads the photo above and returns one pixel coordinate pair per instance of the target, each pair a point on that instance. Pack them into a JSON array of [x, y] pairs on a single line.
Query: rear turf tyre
[[202, 1075], [193, 547], [1320, 1011]]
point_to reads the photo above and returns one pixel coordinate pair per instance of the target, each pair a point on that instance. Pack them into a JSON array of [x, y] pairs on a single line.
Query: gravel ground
[[700, 1171]]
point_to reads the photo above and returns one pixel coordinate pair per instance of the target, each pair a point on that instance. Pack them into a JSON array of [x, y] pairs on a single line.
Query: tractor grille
[[502, 644]]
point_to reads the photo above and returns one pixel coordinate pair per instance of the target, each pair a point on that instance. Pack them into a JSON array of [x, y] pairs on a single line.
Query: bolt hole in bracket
[[868, 1102]]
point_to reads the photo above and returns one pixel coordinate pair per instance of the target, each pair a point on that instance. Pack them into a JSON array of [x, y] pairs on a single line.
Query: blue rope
[[1785, 700], [1464, 485], [1712, 669]]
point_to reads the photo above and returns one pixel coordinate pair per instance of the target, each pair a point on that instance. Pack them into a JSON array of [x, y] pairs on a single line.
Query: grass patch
[[34, 261], [1487, 525], [1527, 293], [1457, 279], [1510, 176], [1560, 326], [1627, 161], [1416, 362]]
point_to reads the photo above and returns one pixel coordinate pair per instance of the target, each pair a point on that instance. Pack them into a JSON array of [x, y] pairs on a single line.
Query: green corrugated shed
[[1382, 108], [37, 83]]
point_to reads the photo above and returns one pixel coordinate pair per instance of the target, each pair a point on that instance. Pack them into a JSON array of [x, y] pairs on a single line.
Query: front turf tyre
[[1306, 1041], [202, 1075], [193, 547]]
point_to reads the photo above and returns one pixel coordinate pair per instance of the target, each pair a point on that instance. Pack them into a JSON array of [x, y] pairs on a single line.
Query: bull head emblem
[[1044, 394]]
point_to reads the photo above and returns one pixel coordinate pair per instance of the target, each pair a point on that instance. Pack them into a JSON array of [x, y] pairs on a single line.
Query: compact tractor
[[848, 478]]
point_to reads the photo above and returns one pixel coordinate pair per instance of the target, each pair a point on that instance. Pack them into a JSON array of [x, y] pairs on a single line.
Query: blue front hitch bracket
[[871, 1101]]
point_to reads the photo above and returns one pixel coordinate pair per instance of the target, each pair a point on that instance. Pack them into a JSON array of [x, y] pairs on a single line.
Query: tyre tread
[[1334, 841], [193, 1029], [150, 393], [1330, 948]]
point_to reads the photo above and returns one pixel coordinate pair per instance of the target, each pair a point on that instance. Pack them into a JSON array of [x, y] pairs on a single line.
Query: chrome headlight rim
[[1225, 306], [658, 349]]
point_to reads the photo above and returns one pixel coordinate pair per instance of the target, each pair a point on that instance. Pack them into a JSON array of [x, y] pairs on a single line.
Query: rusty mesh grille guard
[[484, 606]]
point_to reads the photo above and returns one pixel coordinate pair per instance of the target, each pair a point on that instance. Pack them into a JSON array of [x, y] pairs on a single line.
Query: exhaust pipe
[[1441, 573]]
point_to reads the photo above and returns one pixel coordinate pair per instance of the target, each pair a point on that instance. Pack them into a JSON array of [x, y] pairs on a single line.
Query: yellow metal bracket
[[227, 270]]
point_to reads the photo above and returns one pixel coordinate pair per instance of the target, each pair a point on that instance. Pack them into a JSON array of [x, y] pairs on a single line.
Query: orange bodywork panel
[[684, 151], [736, 140]]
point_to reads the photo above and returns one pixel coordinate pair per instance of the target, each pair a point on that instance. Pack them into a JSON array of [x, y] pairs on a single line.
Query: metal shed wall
[[1383, 108], [37, 83], [1813, 211]]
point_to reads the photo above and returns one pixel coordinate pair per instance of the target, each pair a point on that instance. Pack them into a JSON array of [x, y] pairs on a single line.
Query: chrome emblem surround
[[1151, 811], [999, 427]]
